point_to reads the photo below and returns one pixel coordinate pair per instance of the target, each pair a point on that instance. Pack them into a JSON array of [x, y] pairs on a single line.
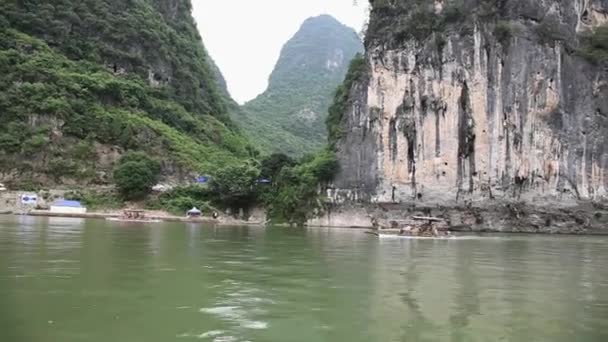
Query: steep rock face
[[490, 100]]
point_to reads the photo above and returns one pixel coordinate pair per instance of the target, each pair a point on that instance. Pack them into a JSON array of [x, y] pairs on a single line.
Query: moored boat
[[119, 219], [133, 216], [397, 236], [417, 227]]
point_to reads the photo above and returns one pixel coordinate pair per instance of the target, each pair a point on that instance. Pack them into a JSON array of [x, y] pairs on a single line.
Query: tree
[[135, 175], [322, 167], [236, 184], [271, 166], [295, 196]]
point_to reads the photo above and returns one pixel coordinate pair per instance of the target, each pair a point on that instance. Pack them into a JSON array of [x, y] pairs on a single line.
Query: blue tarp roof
[[66, 203]]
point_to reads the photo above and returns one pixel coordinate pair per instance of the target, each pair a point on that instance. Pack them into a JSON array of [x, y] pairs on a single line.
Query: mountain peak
[[291, 113], [325, 22], [321, 42], [322, 18]]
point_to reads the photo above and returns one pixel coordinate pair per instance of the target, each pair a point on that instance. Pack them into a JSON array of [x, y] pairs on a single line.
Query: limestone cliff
[[478, 100]]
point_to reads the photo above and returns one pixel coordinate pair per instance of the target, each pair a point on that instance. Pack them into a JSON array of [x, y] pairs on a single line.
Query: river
[[92, 280]]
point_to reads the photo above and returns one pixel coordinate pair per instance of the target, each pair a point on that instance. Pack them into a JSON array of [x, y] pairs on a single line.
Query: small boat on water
[[439, 236], [431, 228], [415, 237], [133, 216]]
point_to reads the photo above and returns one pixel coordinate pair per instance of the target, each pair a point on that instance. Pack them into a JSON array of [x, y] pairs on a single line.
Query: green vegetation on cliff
[[397, 21], [595, 46], [85, 80], [289, 116], [357, 70], [152, 39]]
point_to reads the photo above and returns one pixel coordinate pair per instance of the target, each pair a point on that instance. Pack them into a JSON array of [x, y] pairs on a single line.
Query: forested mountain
[[84, 81], [290, 115]]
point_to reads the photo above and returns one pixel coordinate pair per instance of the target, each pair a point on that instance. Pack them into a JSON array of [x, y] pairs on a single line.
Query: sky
[[245, 37]]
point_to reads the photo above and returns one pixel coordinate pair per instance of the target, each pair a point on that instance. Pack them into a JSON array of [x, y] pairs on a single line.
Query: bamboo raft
[[416, 226]]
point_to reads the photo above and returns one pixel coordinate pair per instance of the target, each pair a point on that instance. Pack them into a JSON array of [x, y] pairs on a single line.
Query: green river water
[[92, 280]]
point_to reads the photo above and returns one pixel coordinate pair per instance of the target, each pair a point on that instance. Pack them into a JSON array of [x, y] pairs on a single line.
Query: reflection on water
[[77, 280]]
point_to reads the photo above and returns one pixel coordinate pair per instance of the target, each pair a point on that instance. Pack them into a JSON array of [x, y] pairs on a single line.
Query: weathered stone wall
[[344, 216], [479, 117]]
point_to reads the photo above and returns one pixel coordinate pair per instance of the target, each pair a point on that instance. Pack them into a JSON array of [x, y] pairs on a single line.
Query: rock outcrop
[[478, 100]]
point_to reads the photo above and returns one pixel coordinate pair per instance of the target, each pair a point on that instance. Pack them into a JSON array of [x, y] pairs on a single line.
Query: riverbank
[[543, 217], [481, 217], [222, 221], [10, 203]]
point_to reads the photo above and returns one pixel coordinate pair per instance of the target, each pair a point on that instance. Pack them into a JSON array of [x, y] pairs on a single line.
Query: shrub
[[141, 157], [503, 31], [9, 142], [595, 46], [96, 199], [135, 175], [454, 12], [549, 31], [322, 168]]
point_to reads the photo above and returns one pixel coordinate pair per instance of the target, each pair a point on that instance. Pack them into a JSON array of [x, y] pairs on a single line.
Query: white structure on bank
[[68, 207]]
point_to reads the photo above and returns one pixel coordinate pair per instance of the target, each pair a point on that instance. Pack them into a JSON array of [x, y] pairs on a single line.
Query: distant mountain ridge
[[289, 116]]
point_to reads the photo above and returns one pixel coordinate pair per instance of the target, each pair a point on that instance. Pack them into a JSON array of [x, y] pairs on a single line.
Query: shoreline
[[234, 222], [509, 218], [162, 218], [581, 218]]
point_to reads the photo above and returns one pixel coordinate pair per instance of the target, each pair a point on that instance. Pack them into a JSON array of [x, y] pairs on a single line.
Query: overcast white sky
[[245, 37]]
